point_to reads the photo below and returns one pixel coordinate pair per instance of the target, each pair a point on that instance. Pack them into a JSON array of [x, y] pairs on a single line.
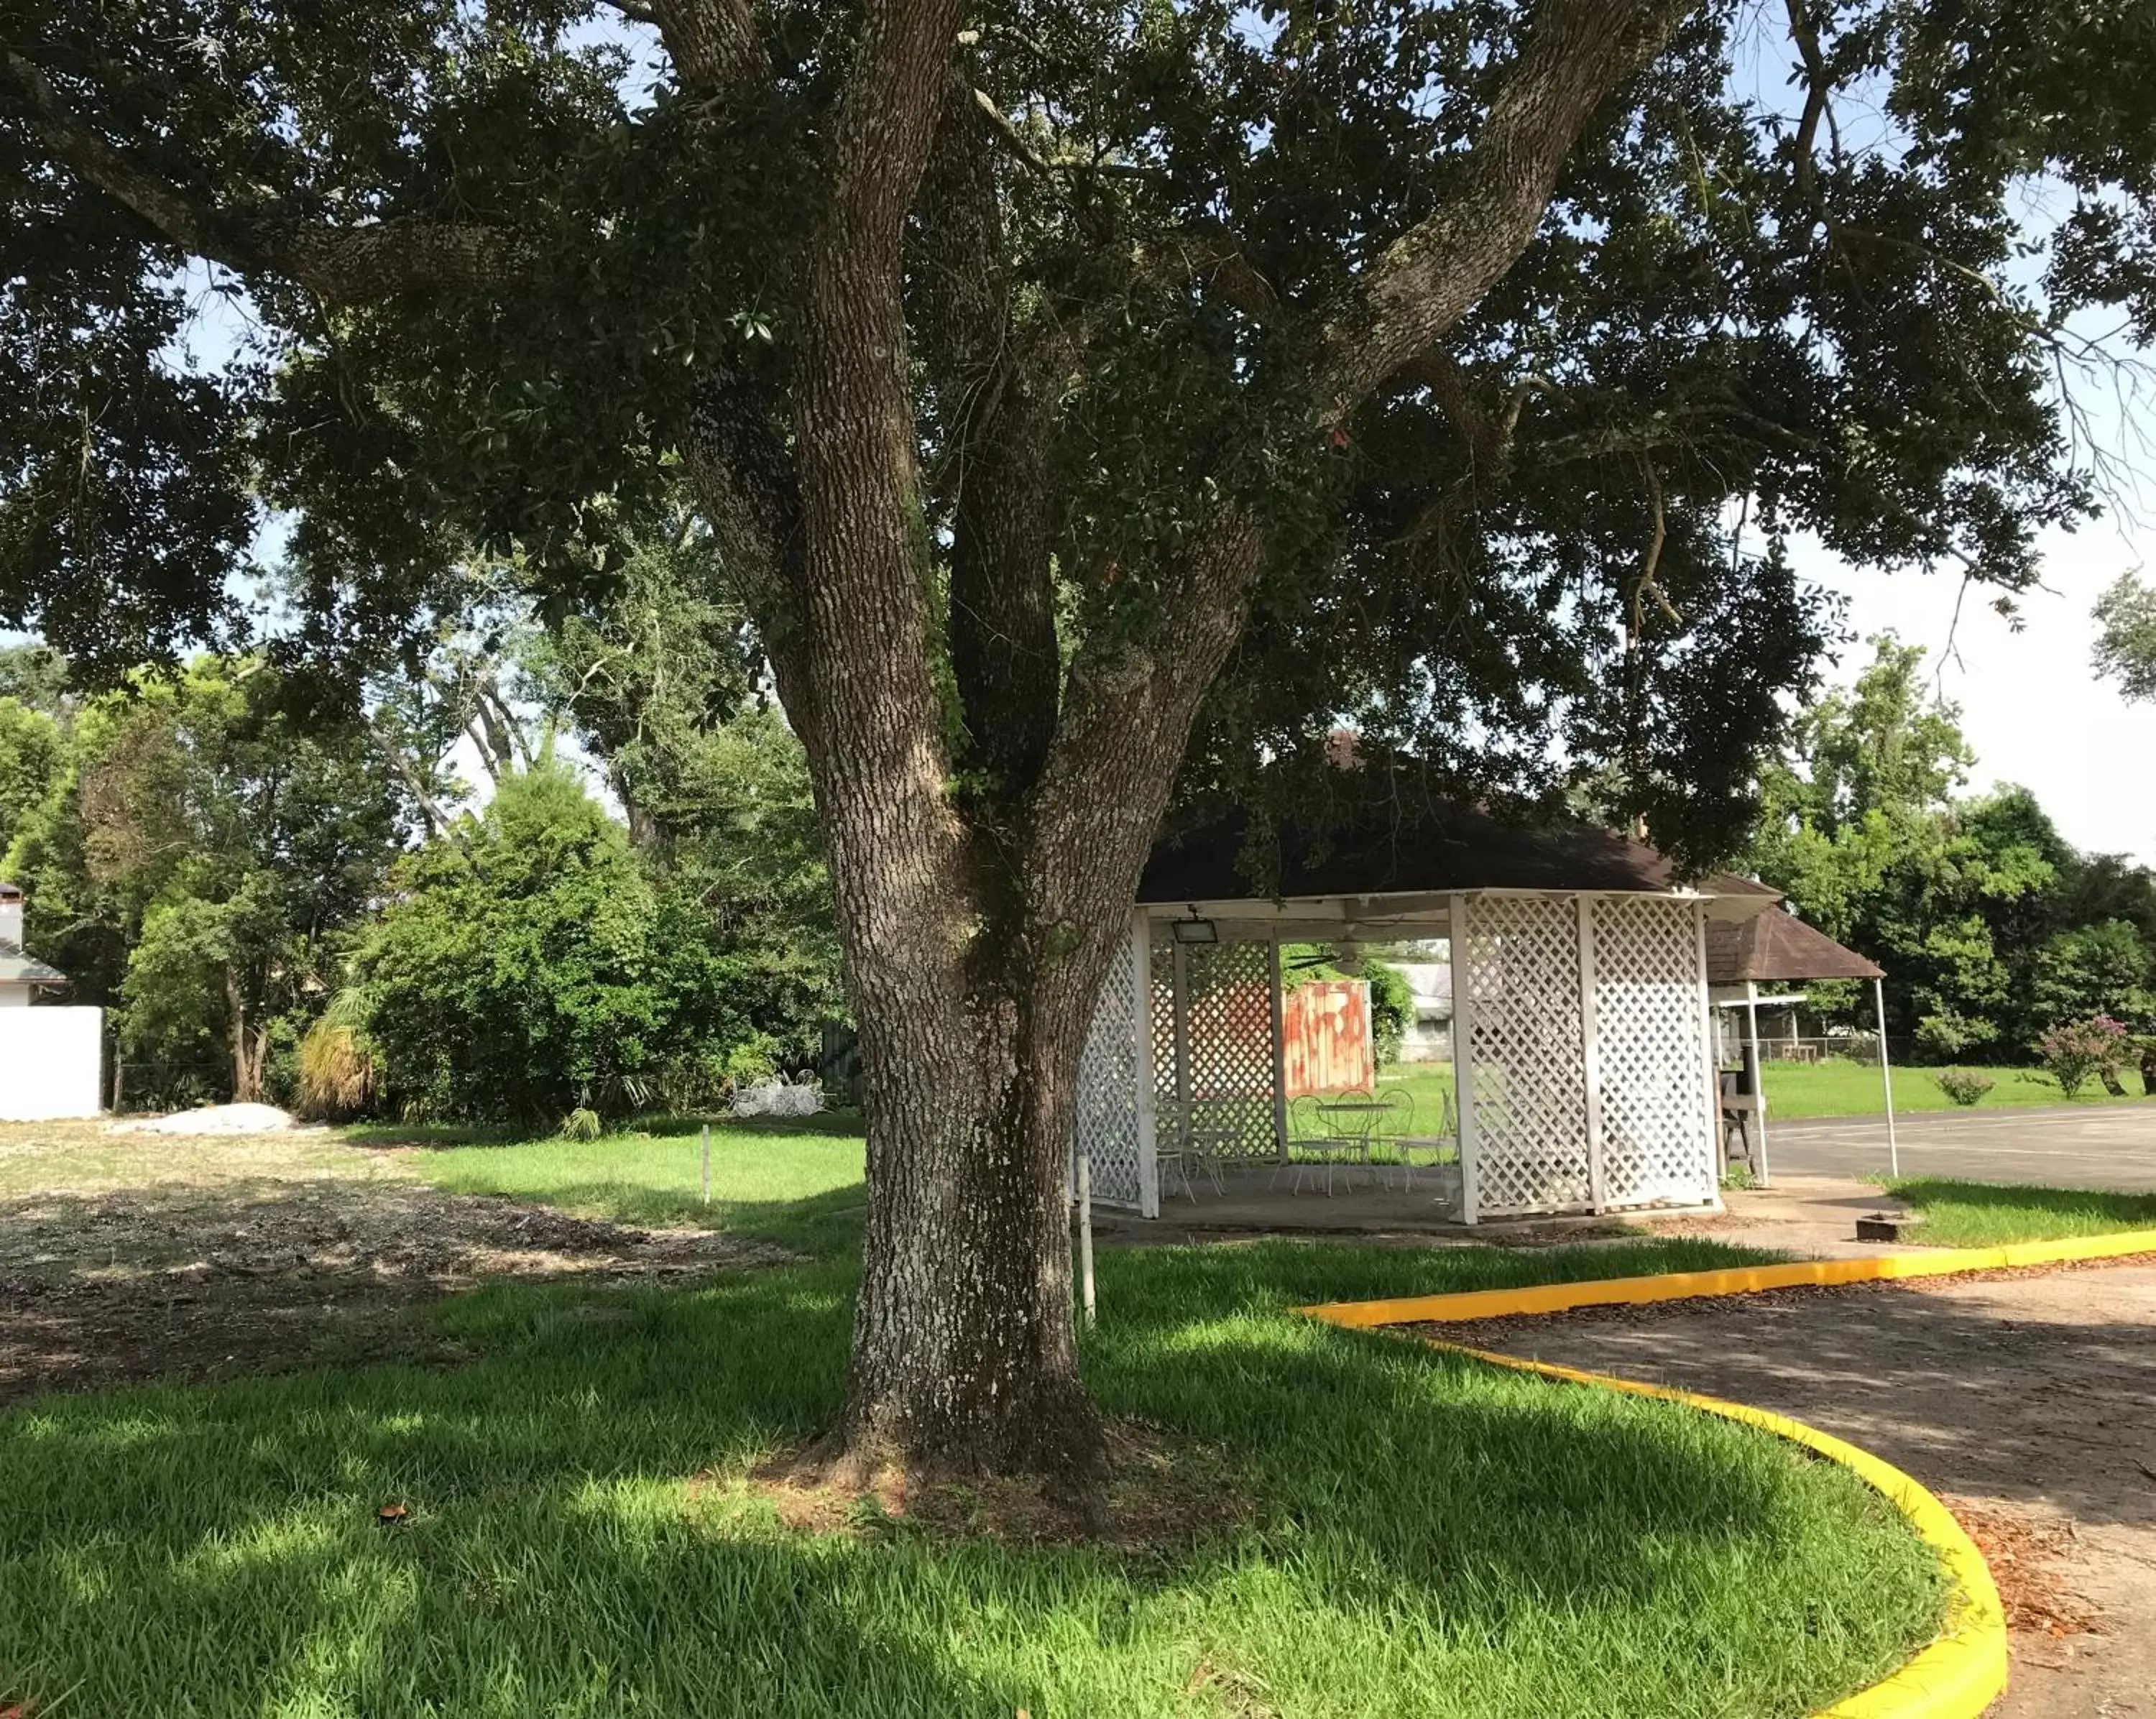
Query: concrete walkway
[[2107, 1145]]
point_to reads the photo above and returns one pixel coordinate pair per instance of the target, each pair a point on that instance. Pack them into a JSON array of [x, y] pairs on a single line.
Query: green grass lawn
[[1425, 1536], [1835, 1088], [1982, 1214], [1838, 1087], [798, 1182]]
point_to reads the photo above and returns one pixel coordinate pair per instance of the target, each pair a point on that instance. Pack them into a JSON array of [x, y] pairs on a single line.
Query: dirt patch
[[1163, 1492], [2027, 1397], [197, 1258], [2029, 1556]]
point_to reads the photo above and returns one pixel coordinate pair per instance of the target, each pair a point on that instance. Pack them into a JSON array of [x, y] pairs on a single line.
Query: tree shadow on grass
[[214, 1550]]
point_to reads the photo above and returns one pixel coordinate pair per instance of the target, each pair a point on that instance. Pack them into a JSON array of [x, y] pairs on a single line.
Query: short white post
[[1086, 1236], [707, 1163], [1757, 1064], [1885, 1077]]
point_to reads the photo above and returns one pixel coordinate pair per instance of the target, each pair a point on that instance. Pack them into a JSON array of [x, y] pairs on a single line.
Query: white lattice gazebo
[[1581, 1042]]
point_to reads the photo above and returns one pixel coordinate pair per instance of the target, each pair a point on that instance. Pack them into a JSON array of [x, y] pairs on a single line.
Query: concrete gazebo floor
[[1812, 1217]]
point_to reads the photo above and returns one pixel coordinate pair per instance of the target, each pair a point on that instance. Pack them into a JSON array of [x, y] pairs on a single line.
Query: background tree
[[2125, 637], [194, 863], [1032, 364], [513, 974], [2096, 969], [1992, 928]]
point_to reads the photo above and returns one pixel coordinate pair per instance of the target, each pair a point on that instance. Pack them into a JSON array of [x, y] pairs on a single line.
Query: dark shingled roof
[[1415, 847], [1779, 945]]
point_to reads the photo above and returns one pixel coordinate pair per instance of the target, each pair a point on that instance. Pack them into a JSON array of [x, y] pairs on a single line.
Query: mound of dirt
[[216, 1118]]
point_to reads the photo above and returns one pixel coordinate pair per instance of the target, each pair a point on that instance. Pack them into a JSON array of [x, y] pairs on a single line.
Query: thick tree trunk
[[965, 1357], [2149, 1068]]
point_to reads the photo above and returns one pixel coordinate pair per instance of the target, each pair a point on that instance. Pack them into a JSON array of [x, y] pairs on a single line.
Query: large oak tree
[[1076, 394]]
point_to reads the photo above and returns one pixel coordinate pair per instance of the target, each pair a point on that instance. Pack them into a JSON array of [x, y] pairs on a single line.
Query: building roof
[[19, 968], [1778, 945], [1413, 845]]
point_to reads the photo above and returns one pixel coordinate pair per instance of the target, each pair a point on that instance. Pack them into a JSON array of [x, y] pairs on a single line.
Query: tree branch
[[338, 264], [1818, 85], [1576, 51], [995, 416], [748, 492], [715, 44]]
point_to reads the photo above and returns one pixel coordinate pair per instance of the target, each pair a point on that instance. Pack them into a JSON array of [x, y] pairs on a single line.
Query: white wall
[[50, 1061]]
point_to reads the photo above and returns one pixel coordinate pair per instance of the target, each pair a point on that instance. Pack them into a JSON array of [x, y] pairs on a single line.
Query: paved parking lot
[[2111, 1145]]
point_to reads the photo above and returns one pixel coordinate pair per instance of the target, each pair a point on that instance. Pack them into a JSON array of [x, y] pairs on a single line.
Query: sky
[[2031, 708]]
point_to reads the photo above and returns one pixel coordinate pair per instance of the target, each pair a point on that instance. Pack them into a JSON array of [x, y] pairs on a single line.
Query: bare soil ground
[[126, 1256], [2026, 1399]]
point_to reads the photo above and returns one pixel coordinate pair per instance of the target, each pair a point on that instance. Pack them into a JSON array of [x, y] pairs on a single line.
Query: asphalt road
[[2110, 1147]]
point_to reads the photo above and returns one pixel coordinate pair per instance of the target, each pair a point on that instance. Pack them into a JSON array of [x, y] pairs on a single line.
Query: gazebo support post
[[1463, 1059], [1886, 1076], [1277, 986], [1147, 1096], [1590, 1057], [1755, 1068], [1180, 1017]]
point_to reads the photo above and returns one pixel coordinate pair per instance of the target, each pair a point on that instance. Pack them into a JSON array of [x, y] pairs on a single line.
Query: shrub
[[2073, 1051], [1964, 1086], [1391, 1009], [1947, 1034], [511, 977], [335, 1079]]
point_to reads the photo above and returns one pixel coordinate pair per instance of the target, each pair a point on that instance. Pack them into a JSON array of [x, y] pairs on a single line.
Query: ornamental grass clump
[[2073, 1051], [1964, 1086]]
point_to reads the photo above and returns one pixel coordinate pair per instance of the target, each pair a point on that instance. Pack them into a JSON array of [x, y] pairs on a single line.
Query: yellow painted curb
[[1963, 1670], [1733, 1281]]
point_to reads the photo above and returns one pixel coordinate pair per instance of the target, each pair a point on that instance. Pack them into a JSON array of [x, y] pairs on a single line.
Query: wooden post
[[707, 1163]]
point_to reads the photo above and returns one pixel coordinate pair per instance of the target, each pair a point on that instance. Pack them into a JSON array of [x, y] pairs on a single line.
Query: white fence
[[50, 1060]]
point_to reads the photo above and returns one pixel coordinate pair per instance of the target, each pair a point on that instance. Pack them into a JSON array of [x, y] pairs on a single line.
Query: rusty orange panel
[[1325, 1024]]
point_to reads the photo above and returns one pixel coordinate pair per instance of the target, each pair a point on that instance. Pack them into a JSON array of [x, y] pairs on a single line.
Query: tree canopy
[[494, 263]]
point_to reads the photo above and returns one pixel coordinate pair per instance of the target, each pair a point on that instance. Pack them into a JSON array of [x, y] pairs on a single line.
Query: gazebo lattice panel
[[1109, 1071], [1651, 1037], [1517, 959], [1227, 1068]]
